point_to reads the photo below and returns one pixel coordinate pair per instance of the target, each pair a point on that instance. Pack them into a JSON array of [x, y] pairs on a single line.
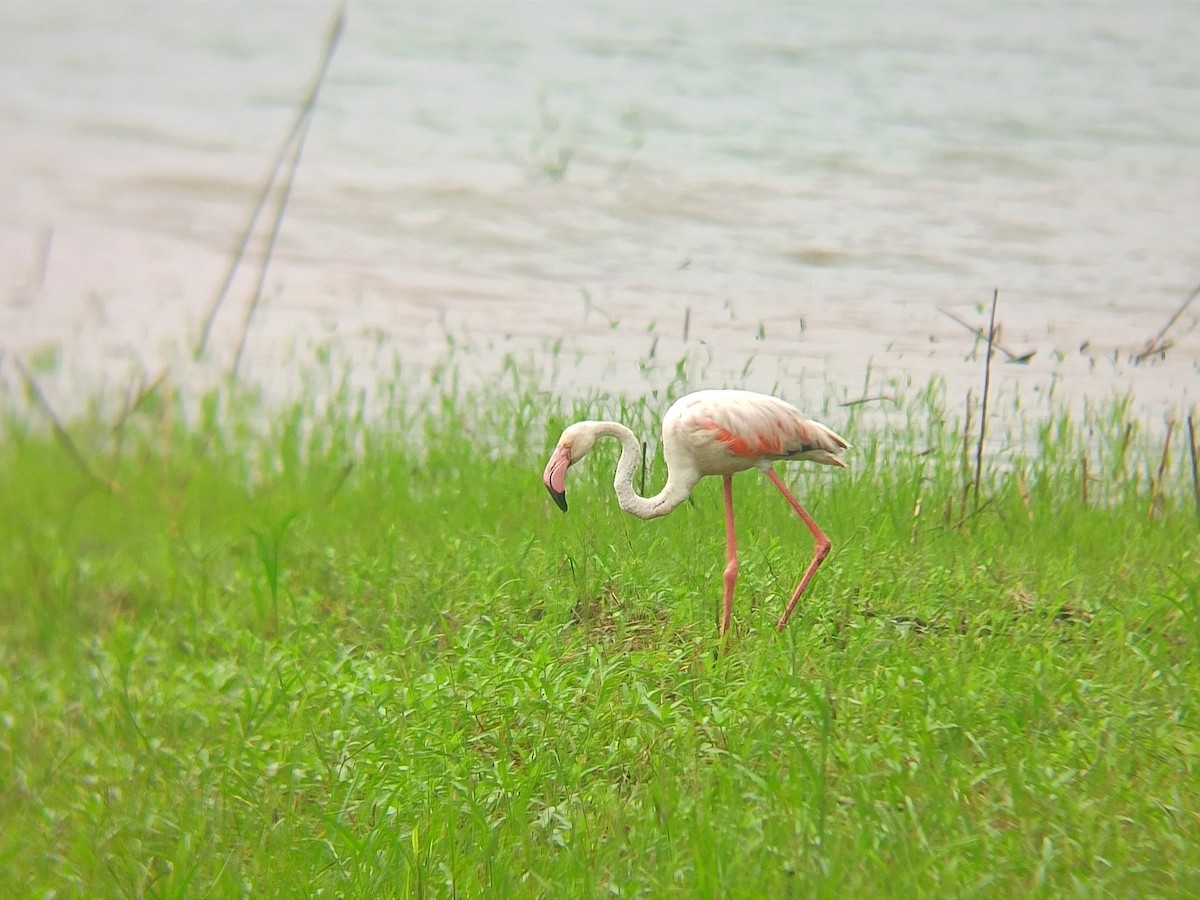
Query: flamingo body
[[726, 432], [717, 432]]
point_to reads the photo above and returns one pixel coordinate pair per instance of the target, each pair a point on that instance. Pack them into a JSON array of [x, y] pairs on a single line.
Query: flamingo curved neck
[[679, 482]]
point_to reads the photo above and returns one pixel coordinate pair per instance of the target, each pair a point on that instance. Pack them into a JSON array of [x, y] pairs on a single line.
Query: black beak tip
[[560, 497]]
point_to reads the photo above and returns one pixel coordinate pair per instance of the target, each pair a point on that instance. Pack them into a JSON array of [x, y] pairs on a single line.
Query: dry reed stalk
[[1195, 476], [1156, 344], [1083, 480], [61, 434], [1124, 451], [1156, 498], [1020, 358], [966, 441], [291, 147], [1023, 489], [966, 457], [133, 402], [987, 376]]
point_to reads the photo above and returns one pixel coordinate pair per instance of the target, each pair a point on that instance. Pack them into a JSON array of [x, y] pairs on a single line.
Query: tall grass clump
[[343, 649]]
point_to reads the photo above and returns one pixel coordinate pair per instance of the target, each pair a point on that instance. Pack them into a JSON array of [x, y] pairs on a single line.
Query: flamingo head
[[573, 446]]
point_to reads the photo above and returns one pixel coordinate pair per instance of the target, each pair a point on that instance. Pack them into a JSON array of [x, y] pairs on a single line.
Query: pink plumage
[[730, 431], [711, 433]]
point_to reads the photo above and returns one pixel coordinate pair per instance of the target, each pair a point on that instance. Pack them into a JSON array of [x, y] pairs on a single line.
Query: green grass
[[301, 652]]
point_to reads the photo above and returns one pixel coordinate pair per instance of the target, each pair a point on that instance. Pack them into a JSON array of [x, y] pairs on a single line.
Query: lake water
[[790, 196]]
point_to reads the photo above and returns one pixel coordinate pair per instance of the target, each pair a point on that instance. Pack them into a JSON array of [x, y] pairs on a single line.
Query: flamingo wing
[[734, 430]]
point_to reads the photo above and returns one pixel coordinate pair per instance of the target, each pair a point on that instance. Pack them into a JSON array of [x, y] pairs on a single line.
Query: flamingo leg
[[731, 558], [820, 550]]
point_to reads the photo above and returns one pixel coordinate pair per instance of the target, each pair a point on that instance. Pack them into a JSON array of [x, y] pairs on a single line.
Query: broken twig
[[1156, 344], [1014, 358]]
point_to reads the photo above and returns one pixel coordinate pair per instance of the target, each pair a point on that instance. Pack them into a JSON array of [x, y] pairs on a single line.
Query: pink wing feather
[[756, 428]]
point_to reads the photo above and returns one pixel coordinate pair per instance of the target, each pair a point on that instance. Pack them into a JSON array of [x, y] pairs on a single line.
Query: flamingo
[[717, 432]]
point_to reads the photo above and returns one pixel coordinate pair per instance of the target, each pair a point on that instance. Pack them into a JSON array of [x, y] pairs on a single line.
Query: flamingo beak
[[555, 476]]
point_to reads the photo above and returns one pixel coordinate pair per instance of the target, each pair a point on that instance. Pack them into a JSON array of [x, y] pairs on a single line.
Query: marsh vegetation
[[315, 651]]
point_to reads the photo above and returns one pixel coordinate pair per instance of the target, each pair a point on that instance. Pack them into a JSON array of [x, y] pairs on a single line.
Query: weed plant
[[316, 651]]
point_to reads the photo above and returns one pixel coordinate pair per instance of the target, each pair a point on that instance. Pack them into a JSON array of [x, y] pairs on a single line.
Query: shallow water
[[789, 196]]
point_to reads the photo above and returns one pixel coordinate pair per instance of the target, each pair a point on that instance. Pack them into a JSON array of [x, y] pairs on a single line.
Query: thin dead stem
[[1018, 358], [288, 151], [1195, 476], [60, 432], [987, 377], [133, 402], [966, 458], [276, 223], [1156, 497], [1156, 343], [1124, 454], [1023, 489]]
